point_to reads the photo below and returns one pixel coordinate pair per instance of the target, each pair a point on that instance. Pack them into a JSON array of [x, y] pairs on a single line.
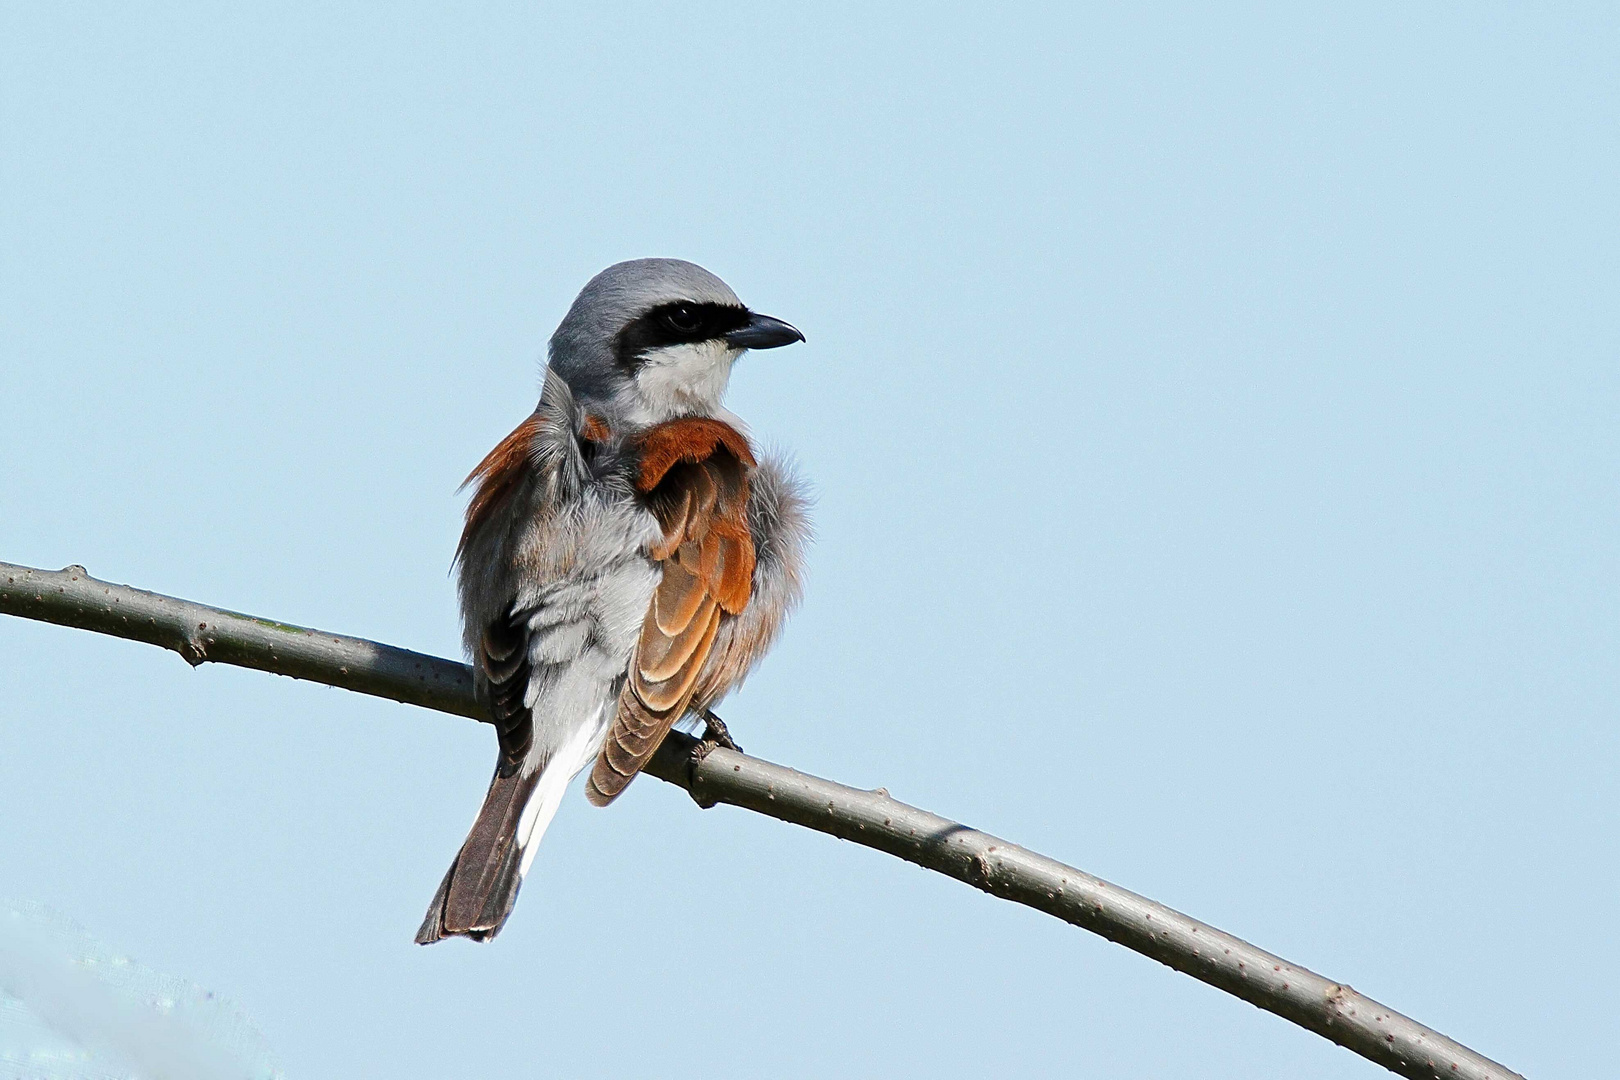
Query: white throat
[[679, 380]]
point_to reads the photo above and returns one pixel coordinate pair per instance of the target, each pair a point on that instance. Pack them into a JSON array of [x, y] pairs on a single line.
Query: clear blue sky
[[1214, 419]]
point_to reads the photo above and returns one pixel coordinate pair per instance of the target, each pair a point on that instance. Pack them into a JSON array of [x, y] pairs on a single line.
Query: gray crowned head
[[652, 339]]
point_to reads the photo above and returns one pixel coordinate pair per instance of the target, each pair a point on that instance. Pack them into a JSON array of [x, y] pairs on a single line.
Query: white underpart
[[680, 380], [578, 751], [582, 631]]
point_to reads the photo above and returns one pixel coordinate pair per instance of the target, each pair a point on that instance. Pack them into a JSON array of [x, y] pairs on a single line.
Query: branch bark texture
[[200, 634]]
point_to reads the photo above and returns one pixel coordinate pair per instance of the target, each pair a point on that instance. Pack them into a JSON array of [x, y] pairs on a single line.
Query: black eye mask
[[682, 322]]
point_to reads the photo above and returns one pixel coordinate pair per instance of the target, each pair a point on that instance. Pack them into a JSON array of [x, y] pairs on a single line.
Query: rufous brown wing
[[694, 475]]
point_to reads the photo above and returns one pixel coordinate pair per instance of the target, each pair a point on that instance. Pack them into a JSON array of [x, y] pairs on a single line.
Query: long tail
[[482, 884]]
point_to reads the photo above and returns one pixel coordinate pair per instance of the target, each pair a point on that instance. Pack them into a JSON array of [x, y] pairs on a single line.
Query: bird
[[628, 556]]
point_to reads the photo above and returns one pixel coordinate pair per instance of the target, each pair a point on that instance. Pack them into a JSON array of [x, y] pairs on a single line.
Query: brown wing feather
[[504, 655], [694, 474], [677, 599], [675, 690], [498, 477], [663, 652], [503, 652]]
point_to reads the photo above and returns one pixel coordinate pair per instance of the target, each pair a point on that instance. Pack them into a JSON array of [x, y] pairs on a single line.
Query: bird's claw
[[715, 734]]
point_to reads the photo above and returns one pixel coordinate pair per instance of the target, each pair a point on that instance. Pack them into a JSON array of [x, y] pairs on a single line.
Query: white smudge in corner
[[71, 1010]]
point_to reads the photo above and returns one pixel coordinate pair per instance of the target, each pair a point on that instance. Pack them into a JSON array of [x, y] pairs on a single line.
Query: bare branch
[[1333, 1010]]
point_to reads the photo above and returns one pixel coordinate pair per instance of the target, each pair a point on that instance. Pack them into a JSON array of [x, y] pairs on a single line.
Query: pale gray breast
[[583, 581], [553, 576]]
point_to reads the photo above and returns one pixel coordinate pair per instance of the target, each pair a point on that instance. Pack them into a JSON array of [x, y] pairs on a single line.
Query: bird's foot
[[715, 734]]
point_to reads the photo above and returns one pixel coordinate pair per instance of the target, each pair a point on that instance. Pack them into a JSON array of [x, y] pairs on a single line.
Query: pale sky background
[[1214, 420]]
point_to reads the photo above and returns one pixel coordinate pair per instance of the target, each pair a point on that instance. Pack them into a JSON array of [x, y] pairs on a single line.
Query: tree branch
[[200, 634]]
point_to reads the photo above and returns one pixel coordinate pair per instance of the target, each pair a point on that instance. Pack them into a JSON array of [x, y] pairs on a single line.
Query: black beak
[[763, 332]]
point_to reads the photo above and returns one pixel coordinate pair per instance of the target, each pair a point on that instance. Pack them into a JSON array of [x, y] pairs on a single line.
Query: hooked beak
[[763, 332]]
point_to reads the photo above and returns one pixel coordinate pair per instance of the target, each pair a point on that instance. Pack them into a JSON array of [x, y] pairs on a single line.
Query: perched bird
[[628, 557]]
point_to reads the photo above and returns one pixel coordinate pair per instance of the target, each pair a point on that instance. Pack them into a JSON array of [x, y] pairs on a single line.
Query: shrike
[[628, 557]]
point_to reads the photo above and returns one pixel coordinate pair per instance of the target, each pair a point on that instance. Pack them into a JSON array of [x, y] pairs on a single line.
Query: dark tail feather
[[481, 886]]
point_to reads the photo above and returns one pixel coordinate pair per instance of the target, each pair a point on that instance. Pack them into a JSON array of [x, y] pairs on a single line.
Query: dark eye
[[683, 319]]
